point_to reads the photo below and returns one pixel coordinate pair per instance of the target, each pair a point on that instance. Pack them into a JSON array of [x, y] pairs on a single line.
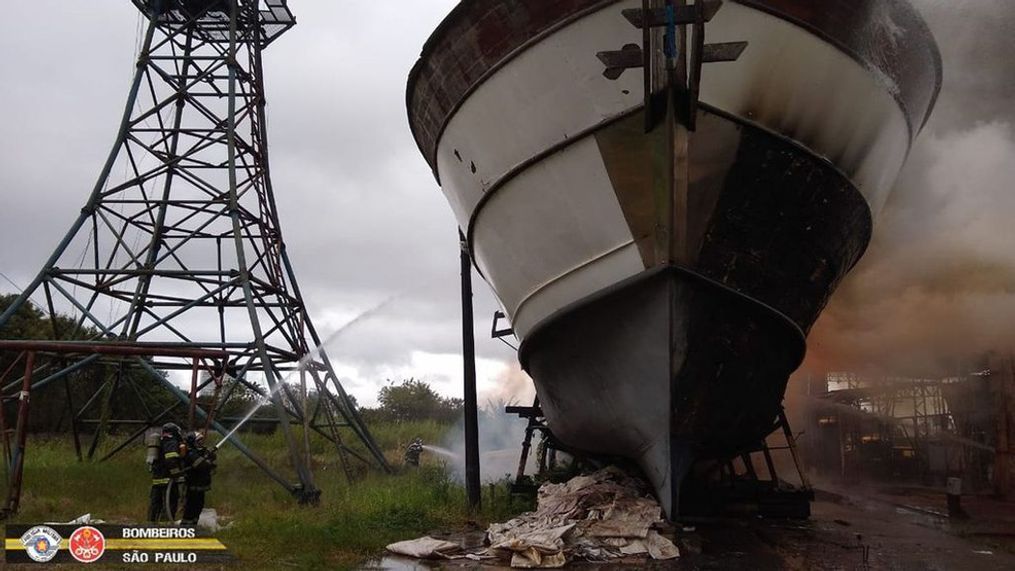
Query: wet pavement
[[868, 529]]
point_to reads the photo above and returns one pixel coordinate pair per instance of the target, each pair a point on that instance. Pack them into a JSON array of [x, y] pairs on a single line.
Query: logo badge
[[41, 543], [87, 544]]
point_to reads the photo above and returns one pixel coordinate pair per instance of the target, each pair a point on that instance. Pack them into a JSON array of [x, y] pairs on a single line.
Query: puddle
[[470, 540], [394, 563]]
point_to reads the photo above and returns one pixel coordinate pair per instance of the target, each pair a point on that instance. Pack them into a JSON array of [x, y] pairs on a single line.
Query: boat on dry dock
[[662, 273]]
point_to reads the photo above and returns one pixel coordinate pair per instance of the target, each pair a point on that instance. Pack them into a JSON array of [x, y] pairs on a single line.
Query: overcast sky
[[361, 214], [360, 211]]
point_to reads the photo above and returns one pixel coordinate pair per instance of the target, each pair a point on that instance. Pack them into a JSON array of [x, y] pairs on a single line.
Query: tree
[[49, 410], [416, 400], [26, 323]]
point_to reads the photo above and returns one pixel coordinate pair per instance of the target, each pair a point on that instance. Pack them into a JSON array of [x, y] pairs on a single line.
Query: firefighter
[[200, 463], [167, 474], [413, 451]]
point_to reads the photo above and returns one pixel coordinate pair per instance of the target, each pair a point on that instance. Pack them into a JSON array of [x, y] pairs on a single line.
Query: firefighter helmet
[[172, 428]]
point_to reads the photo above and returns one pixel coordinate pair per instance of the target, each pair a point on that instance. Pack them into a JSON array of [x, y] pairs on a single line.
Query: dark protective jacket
[[413, 452], [168, 464], [200, 464]]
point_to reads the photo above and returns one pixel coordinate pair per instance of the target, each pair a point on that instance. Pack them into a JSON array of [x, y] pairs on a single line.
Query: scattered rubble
[[602, 516], [209, 519], [86, 519]]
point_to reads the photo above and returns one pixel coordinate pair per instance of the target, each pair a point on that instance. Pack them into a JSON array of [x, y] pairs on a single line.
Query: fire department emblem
[[87, 544], [41, 543]]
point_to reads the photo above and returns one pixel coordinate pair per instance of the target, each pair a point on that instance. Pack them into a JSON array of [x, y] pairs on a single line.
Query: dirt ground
[[855, 531], [877, 528]]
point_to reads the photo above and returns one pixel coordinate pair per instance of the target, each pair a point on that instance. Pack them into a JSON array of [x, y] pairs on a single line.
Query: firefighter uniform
[[167, 474], [413, 452], [200, 463]]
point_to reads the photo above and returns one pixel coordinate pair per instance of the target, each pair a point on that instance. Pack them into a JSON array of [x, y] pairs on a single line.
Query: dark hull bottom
[[603, 374], [677, 365]]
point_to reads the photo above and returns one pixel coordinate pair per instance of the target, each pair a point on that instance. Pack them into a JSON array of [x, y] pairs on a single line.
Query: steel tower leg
[[308, 489]]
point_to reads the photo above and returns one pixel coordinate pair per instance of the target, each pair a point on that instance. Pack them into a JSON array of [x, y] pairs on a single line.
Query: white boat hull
[[546, 166]]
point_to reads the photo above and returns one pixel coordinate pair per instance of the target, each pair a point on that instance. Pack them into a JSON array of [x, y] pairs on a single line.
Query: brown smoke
[[938, 283], [937, 286], [512, 386]]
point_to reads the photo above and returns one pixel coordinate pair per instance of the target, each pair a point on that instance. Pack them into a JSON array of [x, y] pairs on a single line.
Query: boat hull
[[602, 372], [677, 364], [548, 169]]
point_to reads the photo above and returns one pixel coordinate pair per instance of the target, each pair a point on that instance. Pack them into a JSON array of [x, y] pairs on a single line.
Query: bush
[[413, 400]]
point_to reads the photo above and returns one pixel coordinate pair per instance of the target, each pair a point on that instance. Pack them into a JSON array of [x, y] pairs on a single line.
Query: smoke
[[937, 285], [513, 386], [500, 445], [500, 434]]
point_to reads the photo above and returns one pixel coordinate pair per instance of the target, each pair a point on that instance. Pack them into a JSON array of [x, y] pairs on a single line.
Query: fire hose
[[177, 484], [165, 499]]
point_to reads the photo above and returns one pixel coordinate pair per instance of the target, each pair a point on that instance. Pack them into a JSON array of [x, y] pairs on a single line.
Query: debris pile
[[602, 516]]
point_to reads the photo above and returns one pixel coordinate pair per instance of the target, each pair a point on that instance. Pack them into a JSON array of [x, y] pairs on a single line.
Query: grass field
[[269, 530]]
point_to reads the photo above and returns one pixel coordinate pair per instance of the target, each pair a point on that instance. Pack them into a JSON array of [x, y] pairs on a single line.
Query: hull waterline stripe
[[799, 334], [431, 154], [518, 169], [853, 52], [840, 44], [535, 291], [521, 167]]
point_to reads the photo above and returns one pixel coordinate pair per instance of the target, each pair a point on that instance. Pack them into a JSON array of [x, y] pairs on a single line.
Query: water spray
[[253, 410], [443, 452], [305, 361]]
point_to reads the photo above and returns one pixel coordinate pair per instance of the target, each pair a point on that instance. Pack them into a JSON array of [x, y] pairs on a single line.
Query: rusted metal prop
[[14, 455]]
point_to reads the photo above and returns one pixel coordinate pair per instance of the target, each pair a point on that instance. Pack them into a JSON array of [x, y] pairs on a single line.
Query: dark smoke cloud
[[937, 286]]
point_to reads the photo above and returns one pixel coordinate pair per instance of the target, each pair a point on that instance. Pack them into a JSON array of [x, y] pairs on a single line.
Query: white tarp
[[425, 548]]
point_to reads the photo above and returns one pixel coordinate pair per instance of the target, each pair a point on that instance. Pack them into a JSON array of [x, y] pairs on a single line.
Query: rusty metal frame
[[14, 455], [180, 233]]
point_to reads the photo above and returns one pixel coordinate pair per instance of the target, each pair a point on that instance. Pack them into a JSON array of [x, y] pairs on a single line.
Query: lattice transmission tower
[[178, 249]]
